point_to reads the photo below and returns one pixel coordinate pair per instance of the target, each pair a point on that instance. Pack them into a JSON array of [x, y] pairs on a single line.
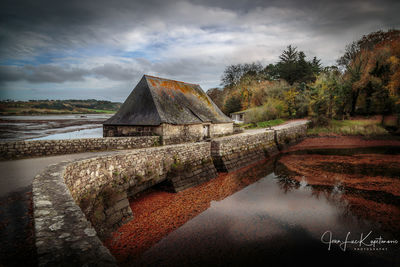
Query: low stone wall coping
[[63, 235], [37, 148]]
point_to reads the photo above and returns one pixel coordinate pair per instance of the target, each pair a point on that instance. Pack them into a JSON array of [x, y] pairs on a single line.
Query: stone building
[[176, 111], [239, 116]]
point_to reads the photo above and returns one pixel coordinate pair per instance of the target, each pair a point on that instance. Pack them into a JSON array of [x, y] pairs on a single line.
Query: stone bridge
[[78, 203]]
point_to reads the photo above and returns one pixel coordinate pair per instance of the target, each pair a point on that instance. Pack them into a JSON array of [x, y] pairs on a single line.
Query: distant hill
[[42, 107]]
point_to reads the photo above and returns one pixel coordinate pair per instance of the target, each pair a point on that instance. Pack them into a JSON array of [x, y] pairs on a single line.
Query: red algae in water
[[370, 181], [370, 194], [157, 213]]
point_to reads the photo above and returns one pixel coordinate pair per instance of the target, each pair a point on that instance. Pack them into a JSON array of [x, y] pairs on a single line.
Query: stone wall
[[135, 137], [64, 231], [123, 131], [63, 235], [101, 185], [171, 133], [37, 148], [67, 234], [221, 129], [175, 134], [290, 133], [233, 152]]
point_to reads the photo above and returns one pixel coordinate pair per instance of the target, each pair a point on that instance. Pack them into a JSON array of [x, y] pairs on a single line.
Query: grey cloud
[[115, 72], [29, 27], [41, 74], [177, 33], [180, 69], [61, 74]]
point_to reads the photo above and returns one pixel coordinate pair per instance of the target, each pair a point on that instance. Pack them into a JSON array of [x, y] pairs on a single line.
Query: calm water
[[51, 127], [280, 220], [76, 134]]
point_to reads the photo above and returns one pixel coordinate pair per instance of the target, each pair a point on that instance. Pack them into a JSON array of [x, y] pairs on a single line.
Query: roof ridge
[[146, 75], [162, 119]]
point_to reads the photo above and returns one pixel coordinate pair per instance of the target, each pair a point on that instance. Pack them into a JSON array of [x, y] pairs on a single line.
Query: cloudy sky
[[99, 49]]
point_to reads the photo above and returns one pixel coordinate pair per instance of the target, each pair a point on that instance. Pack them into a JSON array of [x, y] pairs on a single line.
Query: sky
[[100, 49]]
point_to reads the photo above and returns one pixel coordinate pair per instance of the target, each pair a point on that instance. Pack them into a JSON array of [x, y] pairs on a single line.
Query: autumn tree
[[370, 69], [330, 95]]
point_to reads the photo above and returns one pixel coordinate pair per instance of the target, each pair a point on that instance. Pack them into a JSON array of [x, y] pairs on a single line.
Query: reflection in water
[[279, 219], [368, 183]]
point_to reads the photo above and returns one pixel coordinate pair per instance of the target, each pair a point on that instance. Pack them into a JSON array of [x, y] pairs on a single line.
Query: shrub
[[319, 121], [271, 110]]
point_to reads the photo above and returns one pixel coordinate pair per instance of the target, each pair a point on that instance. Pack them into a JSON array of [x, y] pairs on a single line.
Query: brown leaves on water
[[371, 190], [157, 213]]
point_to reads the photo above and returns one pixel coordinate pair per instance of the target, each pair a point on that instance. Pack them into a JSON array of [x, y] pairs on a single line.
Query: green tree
[[316, 66], [293, 66], [289, 55], [271, 72], [232, 104]]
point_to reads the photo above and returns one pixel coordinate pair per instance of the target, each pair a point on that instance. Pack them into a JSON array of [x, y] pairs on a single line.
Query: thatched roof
[[156, 100]]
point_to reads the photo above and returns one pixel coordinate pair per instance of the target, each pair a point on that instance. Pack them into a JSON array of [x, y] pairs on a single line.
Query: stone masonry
[[233, 152], [289, 133], [101, 185], [63, 235], [77, 202], [183, 176], [37, 148]]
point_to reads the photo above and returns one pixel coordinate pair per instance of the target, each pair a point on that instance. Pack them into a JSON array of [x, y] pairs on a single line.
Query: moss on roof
[[156, 100]]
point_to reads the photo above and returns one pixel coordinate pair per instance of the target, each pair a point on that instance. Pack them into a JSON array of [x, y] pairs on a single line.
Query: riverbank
[[338, 141], [57, 107]]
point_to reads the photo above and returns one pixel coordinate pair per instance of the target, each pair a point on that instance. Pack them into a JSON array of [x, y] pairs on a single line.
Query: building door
[[206, 131]]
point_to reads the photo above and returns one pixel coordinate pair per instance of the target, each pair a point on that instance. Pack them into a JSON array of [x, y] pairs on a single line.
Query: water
[[13, 128], [87, 133], [289, 216]]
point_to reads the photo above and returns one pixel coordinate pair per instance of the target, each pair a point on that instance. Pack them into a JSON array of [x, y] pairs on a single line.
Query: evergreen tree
[[233, 104]]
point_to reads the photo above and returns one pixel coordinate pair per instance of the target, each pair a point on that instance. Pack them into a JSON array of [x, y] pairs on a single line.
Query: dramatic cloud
[[41, 73], [89, 44]]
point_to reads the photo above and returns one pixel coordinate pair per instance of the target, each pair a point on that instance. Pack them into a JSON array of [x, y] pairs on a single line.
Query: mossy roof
[[157, 100]]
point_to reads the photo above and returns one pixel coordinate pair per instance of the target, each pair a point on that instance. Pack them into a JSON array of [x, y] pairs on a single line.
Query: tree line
[[364, 81]]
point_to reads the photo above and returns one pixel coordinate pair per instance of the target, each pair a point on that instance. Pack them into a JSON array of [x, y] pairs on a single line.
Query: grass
[[101, 111], [350, 127], [42, 111], [263, 124]]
